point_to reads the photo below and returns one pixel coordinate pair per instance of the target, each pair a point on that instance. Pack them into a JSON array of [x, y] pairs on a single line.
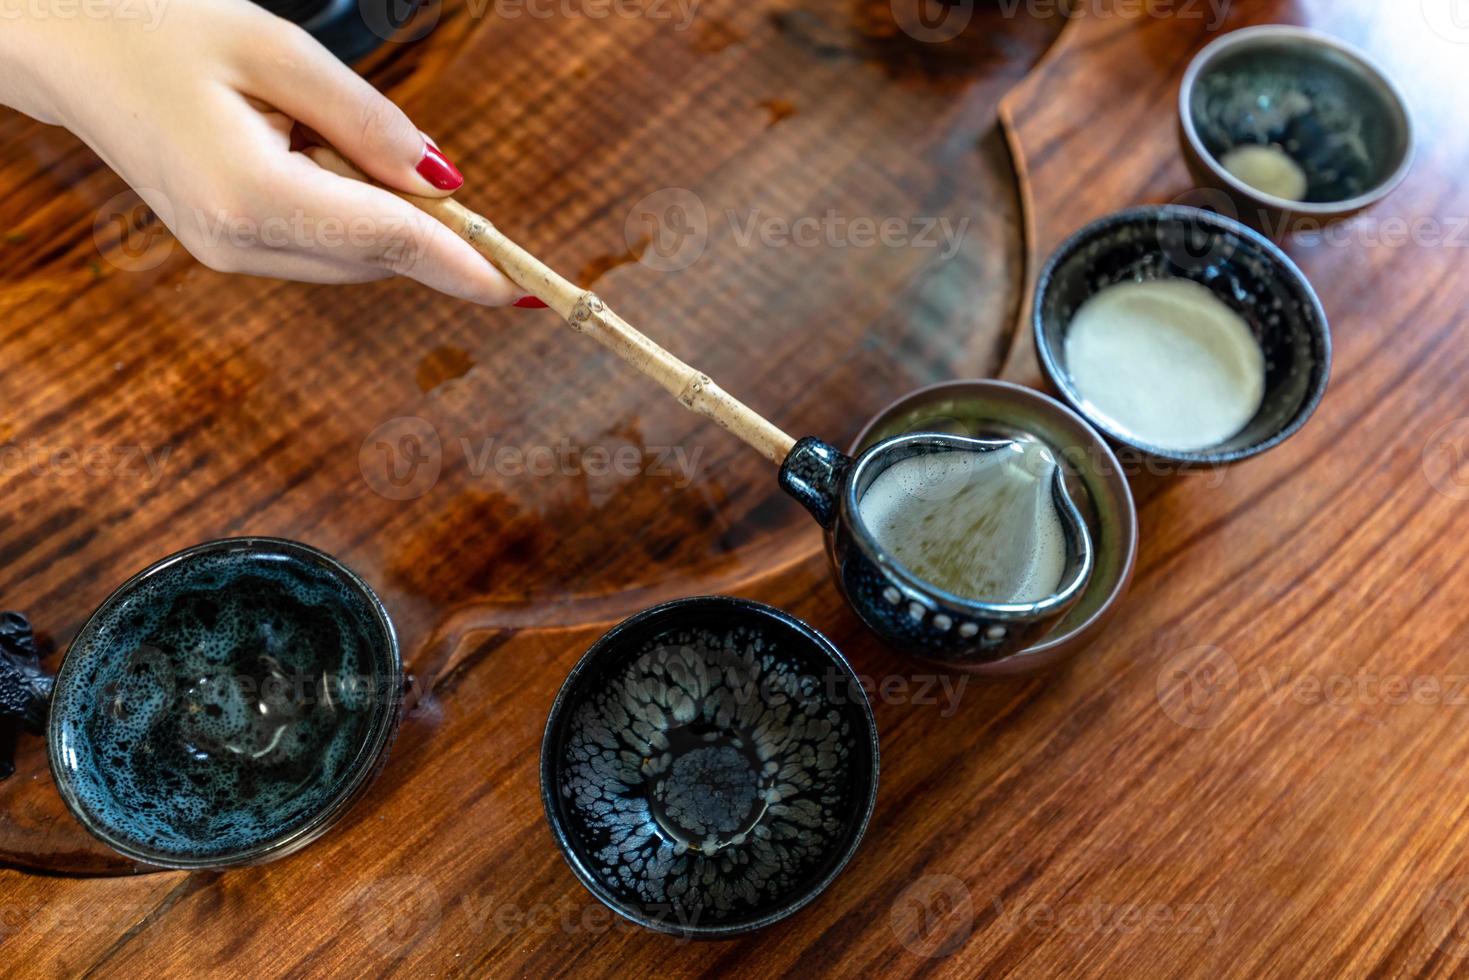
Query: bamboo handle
[[587, 314]]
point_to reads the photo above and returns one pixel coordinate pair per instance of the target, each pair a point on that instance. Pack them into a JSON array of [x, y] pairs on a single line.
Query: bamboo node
[[587, 307], [690, 392], [477, 230]]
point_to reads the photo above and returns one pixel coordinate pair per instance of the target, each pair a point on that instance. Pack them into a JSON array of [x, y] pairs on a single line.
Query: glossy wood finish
[[1232, 780]]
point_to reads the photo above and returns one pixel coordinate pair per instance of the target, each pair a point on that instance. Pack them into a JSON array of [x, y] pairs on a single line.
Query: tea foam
[[1267, 169], [1167, 363], [979, 525]]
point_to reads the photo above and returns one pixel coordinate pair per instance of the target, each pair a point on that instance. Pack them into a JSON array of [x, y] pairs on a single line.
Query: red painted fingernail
[[529, 303], [437, 170]]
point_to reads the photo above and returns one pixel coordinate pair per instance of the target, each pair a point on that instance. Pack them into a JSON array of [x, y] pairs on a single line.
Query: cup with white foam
[[1183, 335]]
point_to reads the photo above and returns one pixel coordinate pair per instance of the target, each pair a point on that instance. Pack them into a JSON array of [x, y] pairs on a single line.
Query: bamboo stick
[[587, 314]]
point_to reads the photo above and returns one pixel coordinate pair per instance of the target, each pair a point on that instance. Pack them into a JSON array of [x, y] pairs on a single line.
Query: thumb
[[308, 83]]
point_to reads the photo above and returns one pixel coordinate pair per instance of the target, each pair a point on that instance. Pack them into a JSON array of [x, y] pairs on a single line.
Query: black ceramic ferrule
[[813, 474], [25, 689]]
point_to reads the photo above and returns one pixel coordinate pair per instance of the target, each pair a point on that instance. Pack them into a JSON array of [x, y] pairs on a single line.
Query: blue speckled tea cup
[[709, 767], [226, 705]]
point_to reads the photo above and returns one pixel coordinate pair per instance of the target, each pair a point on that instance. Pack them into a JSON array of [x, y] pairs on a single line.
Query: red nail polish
[[529, 303], [437, 170]]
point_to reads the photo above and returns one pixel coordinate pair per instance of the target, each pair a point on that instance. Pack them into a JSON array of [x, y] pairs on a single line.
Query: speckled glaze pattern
[[709, 766], [25, 689], [225, 703], [1312, 115], [909, 614], [1241, 268]]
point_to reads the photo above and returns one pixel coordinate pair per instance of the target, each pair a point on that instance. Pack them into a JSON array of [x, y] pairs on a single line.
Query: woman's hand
[[198, 111]]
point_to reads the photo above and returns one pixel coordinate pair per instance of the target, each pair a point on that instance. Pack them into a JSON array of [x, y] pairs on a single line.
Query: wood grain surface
[[1256, 771]]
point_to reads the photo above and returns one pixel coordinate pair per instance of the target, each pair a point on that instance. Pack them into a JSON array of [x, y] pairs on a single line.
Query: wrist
[[52, 54], [26, 41]]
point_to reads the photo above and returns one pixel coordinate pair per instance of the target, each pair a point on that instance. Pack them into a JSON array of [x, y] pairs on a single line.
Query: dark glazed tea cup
[[1240, 267], [1317, 99], [226, 705], [709, 767]]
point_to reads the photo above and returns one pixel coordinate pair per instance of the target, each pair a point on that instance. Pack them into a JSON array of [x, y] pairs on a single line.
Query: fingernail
[[529, 303], [437, 170]]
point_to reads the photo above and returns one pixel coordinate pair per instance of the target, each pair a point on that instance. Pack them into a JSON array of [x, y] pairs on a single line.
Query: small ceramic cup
[[226, 705], [1305, 94], [1001, 410], [1241, 268], [709, 767]]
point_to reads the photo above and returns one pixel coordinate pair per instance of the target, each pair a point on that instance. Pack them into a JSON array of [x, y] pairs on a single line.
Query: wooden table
[[1256, 770]]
